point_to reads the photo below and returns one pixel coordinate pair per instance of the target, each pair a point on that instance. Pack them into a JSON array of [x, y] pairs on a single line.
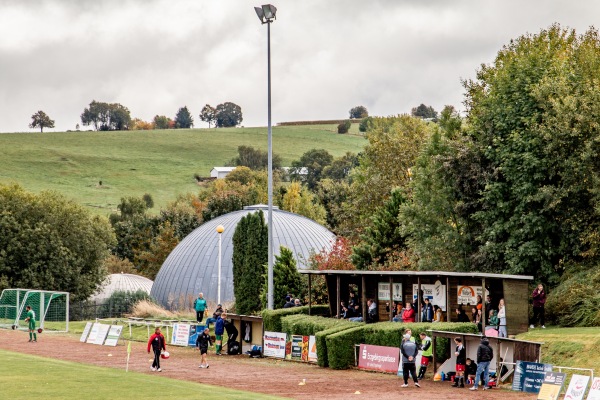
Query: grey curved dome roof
[[121, 283], [192, 267]]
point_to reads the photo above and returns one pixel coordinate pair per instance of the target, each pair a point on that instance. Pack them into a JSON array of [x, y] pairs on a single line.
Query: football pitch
[[23, 376]]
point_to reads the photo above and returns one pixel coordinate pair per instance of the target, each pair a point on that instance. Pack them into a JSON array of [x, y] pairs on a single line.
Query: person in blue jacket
[[219, 330]]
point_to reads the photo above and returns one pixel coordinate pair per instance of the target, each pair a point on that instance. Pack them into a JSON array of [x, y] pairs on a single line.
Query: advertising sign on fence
[[552, 385], [180, 335], [114, 333], [86, 332], [297, 341], [378, 358], [577, 387], [529, 376], [312, 349], [101, 334], [274, 344], [594, 393], [194, 331]]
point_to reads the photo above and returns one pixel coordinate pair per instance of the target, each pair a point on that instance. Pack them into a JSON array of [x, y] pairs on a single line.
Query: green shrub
[[321, 341], [272, 318], [365, 124], [340, 347], [576, 300], [121, 302], [344, 127], [301, 324]]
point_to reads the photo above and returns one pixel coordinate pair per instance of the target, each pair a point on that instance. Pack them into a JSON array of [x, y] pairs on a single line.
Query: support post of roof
[[448, 312], [434, 358], [483, 310], [338, 296], [391, 307], [309, 292], [419, 317], [363, 297]]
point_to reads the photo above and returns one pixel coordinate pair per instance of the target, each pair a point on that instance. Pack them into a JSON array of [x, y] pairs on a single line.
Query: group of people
[[409, 351], [408, 313], [485, 354], [496, 316]]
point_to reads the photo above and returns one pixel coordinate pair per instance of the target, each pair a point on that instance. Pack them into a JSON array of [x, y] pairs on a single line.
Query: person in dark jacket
[[462, 315], [157, 342], [471, 369], [461, 360], [213, 319], [539, 299], [484, 356], [427, 311], [232, 334], [219, 330], [409, 351], [289, 302], [202, 343]]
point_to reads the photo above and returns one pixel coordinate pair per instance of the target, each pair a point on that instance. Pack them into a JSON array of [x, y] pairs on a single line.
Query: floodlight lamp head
[[220, 229], [266, 13]]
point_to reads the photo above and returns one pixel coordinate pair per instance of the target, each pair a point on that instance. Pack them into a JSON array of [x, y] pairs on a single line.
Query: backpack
[[233, 348]]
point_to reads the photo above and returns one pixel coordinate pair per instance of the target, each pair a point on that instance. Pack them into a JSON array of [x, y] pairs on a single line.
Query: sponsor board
[[552, 385], [101, 334], [180, 336], [312, 349], [594, 393], [86, 332], [114, 333], [93, 333], [383, 291], [577, 387], [378, 358], [529, 376], [468, 294], [274, 344], [436, 294]]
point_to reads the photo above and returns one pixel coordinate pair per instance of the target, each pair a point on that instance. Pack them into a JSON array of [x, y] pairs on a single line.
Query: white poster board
[[594, 393], [114, 333], [468, 294], [274, 344], [180, 335], [383, 291], [86, 332], [312, 349], [101, 335], [93, 333], [436, 294]]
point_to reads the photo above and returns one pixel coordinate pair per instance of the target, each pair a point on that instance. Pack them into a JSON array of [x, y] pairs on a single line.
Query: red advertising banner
[[379, 358]]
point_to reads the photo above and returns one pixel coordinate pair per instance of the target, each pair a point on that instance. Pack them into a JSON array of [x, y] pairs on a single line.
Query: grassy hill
[[160, 162]]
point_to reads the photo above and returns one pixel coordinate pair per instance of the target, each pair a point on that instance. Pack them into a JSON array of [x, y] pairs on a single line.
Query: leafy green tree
[[334, 196], [208, 114], [358, 112], [301, 200], [183, 118], [162, 122], [533, 115], [151, 259], [450, 122], [365, 124], [393, 146], [340, 167], [51, 243], [255, 159], [286, 278], [106, 117], [423, 111], [383, 236], [344, 127], [250, 252], [228, 115], [310, 166], [41, 120]]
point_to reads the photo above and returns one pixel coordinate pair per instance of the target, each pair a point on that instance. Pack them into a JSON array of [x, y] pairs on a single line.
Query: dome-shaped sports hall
[[192, 267]]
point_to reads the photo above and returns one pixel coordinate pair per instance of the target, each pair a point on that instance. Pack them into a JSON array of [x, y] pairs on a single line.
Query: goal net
[[51, 309]]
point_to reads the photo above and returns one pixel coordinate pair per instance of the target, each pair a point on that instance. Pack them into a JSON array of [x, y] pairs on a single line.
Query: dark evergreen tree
[[286, 278], [184, 119], [250, 249]]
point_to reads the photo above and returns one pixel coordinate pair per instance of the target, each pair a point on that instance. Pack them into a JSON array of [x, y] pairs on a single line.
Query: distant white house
[[220, 172]]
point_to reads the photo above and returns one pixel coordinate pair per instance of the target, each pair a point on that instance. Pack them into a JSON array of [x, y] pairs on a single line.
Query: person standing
[[539, 299], [484, 356], [426, 355], [502, 332], [409, 351], [427, 311], [202, 343], [30, 319], [461, 360], [438, 314], [157, 342], [219, 330], [200, 307]]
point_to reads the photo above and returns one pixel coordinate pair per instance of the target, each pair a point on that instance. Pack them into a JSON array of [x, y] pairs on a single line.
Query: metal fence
[[88, 310]]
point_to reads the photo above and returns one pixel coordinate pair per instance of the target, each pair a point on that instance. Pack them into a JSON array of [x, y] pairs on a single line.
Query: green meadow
[[31, 377], [160, 162]]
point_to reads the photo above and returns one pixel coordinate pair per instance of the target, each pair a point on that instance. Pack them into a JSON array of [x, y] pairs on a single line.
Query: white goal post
[[51, 309]]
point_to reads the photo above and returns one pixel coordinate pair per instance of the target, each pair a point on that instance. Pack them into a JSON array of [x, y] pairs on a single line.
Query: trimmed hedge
[[321, 122], [321, 340], [272, 318], [387, 334], [307, 325]]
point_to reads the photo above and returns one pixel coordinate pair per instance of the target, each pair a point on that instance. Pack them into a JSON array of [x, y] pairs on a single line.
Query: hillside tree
[[310, 166], [41, 120], [184, 119], [358, 112], [228, 115], [423, 111], [106, 116], [161, 122], [208, 114]]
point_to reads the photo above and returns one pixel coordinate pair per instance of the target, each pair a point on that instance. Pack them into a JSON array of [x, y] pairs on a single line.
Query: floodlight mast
[[266, 14]]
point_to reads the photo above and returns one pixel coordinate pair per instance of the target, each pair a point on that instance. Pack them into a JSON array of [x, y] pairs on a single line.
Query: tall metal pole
[[270, 166], [219, 278]]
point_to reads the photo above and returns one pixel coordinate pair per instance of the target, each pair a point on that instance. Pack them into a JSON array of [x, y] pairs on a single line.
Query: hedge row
[[272, 318], [300, 324], [340, 347], [323, 122]]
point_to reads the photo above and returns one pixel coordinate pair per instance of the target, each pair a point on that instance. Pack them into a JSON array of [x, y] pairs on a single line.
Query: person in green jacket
[[200, 307], [30, 319], [426, 355]]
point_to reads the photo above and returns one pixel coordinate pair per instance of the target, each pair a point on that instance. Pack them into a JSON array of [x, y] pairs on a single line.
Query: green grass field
[[161, 163], [30, 377]]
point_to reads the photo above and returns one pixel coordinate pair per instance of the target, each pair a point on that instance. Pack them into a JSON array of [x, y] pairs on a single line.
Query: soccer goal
[[51, 309]]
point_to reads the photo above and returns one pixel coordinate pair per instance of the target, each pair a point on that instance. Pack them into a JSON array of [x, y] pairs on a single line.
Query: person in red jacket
[[539, 299], [157, 342], [408, 314]]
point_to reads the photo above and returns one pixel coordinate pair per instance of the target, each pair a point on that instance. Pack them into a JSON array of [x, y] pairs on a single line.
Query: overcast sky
[[155, 56]]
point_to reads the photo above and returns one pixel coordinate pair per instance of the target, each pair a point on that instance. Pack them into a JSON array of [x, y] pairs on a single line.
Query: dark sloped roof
[[192, 267]]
